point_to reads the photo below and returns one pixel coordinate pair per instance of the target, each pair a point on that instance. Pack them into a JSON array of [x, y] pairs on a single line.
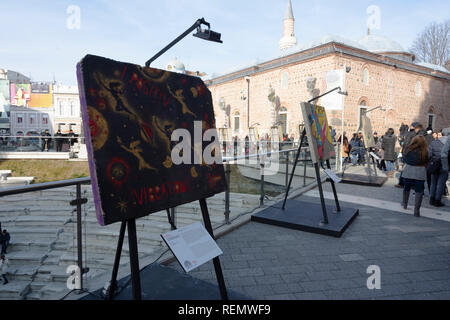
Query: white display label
[[192, 245], [332, 176]]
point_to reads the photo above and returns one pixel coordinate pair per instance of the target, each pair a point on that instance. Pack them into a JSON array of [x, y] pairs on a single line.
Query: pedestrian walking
[[416, 158], [388, 145], [4, 264]]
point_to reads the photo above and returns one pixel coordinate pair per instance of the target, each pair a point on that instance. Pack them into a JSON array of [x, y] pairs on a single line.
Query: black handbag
[[434, 166]]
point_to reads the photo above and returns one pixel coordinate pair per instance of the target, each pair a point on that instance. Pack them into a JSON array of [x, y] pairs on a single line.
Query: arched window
[[284, 80], [366, 76], [418, 88], [283, 120], [236, 121], [431, 118]]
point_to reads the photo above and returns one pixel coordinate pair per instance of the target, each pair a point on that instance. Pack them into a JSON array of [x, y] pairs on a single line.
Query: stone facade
[[67, 109], [406, 91]]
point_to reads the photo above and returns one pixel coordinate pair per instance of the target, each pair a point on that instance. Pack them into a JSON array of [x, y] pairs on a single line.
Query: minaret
[[288, 40]]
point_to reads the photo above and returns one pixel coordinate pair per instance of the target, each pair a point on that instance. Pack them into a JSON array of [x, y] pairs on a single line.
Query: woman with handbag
[[414, 174]]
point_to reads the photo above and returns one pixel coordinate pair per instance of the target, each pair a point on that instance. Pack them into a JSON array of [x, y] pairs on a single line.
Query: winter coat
[[444, 155], [388, 145], [415, 168]]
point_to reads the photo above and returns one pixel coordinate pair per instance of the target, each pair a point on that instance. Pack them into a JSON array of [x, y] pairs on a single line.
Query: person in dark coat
[[416, 129], [72, 136], [388, 145], [46, 139], [5, 241], [58, 140], [438, 174]]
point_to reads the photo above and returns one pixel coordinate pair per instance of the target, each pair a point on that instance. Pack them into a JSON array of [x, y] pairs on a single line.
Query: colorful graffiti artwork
[[129, 114], [318, 132]]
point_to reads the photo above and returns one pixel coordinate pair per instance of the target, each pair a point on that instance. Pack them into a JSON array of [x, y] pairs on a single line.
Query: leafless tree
[[433, 44]]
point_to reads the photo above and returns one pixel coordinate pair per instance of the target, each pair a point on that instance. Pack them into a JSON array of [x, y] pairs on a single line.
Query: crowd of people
[[420, 155], [46, 140]]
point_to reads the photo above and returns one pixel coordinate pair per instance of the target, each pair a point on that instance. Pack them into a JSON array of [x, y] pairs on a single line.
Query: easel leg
[[113, 283], [333, 186], [369, 170], [293, 169], [322, 199], [216, 260], [374, 166], [134, 260]]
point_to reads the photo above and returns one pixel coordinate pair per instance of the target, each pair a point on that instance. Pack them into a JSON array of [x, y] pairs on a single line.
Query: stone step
[[33, 257], [14, 290], [22, 272], [36, 286]]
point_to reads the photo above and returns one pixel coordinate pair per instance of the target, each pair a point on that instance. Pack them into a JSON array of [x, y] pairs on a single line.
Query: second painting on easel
[[318, 132]]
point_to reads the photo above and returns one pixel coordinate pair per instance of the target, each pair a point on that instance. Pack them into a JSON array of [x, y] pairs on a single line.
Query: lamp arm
[[318, 97], [184, 34]]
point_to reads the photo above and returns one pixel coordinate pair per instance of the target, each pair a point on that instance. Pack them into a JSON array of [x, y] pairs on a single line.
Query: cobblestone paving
[[269, 262]]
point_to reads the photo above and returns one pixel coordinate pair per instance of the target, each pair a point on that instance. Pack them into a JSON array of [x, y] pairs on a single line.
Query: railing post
[[304, 168], [287, 169], [227, 193], [79, 235], [261, 199]]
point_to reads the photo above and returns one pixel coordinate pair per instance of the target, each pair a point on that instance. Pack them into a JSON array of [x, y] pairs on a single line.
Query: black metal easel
[[317, 170], [134, 258]]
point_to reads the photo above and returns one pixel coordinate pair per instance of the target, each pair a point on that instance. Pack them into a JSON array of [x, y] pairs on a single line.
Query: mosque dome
[[175, 65], [378, 44]]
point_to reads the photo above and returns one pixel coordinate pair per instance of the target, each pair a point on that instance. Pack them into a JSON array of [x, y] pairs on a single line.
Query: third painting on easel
[[366, 128], [318, 132]]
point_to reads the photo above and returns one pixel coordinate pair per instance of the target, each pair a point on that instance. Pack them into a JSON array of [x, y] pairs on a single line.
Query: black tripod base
[[307, 216], [363, 180]]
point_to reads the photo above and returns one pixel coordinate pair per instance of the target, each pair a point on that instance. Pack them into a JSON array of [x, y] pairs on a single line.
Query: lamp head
[[208, 34]]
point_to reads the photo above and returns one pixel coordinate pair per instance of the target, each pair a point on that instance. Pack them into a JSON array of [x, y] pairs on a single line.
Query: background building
[[381, 73], [66, 104]]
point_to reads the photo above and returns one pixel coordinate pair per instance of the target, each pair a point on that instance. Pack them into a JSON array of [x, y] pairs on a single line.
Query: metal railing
[[260, 186], [38, 143], [77, 202]]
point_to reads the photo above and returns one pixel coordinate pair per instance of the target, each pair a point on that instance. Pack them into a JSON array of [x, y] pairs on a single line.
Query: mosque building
[[381, 79]]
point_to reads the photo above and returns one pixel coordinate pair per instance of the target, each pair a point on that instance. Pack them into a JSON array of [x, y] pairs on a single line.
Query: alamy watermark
[[374, 19], [73, 21], [74, 280], [374, 280], [189, 150]]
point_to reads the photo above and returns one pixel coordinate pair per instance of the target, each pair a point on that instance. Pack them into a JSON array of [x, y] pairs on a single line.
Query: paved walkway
[[269, 262]]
